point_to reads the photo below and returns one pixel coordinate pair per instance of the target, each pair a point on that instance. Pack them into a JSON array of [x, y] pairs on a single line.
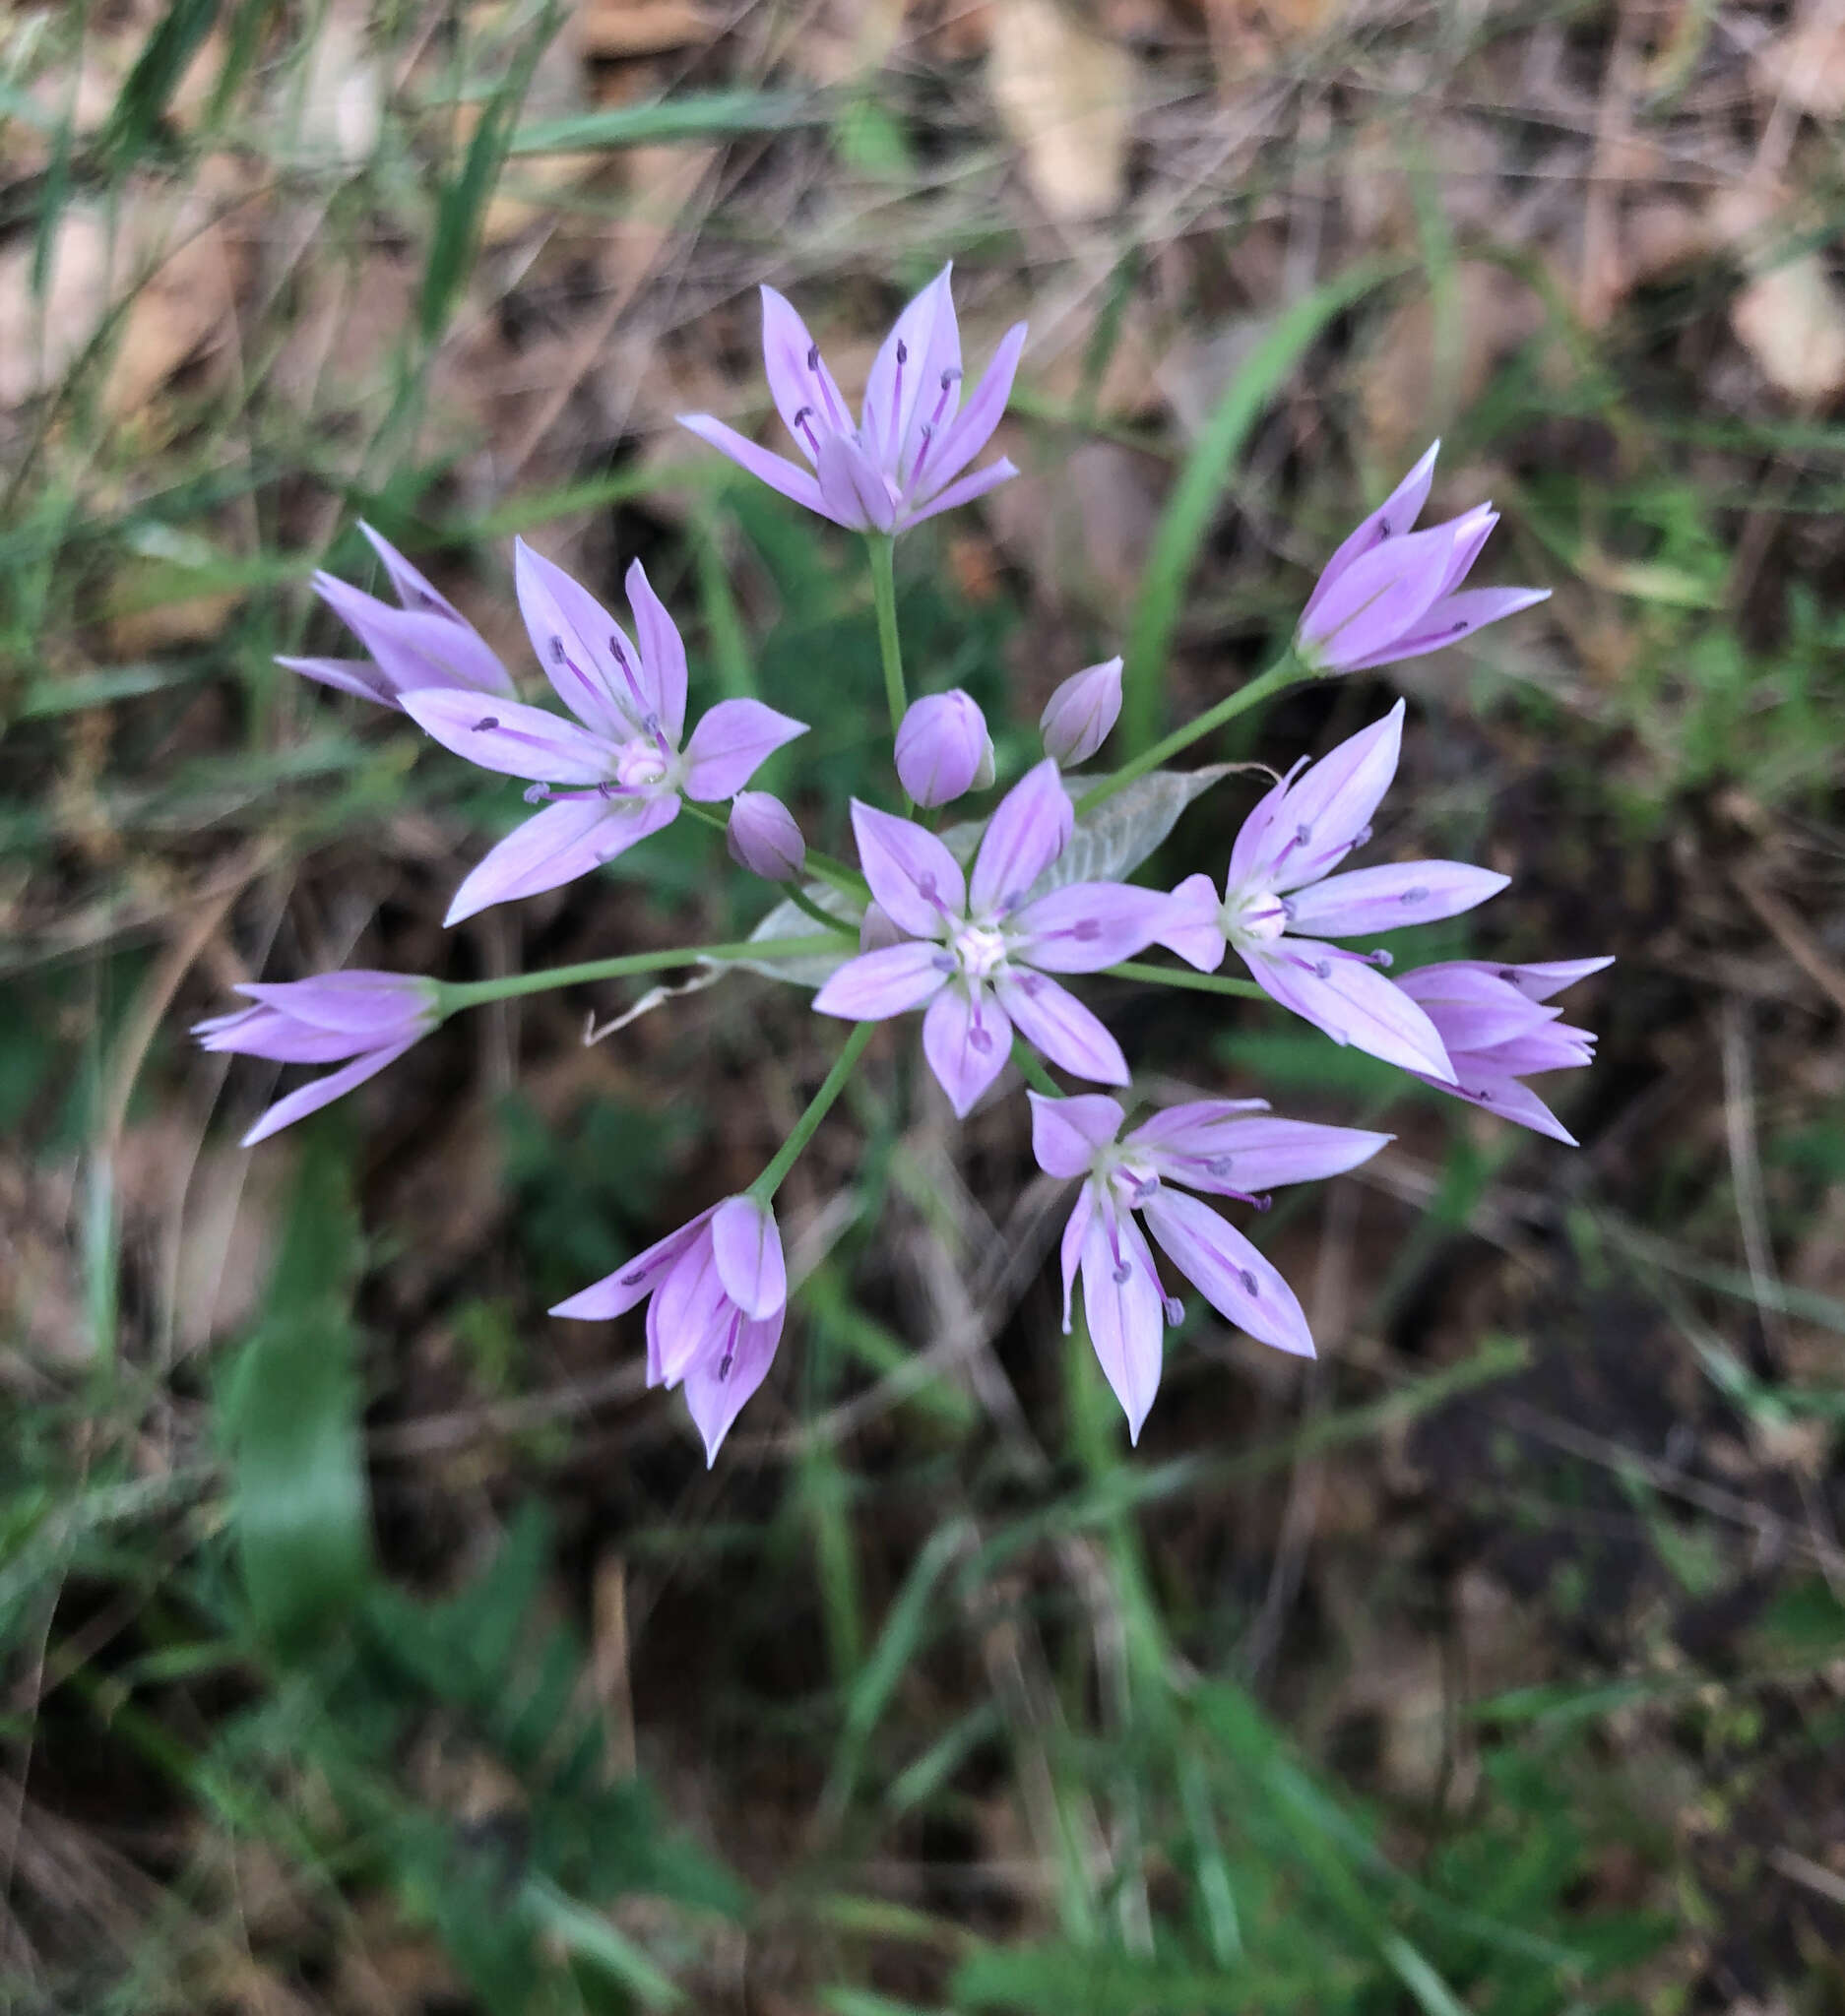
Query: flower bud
[[764, 839], [1080, 713], [943, 748]]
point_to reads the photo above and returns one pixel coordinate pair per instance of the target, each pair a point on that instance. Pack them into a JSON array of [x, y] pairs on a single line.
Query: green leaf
[[301, 1514], [149, 87], [698, 115]]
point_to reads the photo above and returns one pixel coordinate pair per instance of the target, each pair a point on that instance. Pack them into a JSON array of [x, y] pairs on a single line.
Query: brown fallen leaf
[[1790, 320], [1065, 96], [642, 28], [185, 305]]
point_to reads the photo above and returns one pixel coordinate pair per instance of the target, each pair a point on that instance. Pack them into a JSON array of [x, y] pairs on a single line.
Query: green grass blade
[[699, 115], [149, 87]]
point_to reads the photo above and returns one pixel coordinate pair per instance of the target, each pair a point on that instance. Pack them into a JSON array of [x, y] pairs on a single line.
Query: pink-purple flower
[[371, 1018], [902, 461], [427, 642], [943, 749], [718, 1294], [1225, 1148], [1389, 593], [621, 758], [1496, 1030], [1281, 902], [979, 954], [1079, 715]]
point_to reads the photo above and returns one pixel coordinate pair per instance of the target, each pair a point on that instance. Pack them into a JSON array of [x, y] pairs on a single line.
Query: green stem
[[799, 898], [1287, 670], [825, 866], [765, 1187], [1032, 1069], [883, 549], [453, 997], [1183, 977]]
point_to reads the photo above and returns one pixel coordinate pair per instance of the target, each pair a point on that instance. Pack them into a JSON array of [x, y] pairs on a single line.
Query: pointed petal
[[1230, 1275], [1472, 1008], [1194, 923], [1377, 599], [879, 985], [1126, 1310], [1069, 1253], [359, 676], [1456, 616], [1029, 828], [662, 654], [1085, 926], [1262, 834], [571, 633], [414, 647], [1057, 1025], [1332, 803], [556, 845], [966, 1044], [913, 877], [963, 492], [1541, 982], [905, 372], [323, 1092], [691, 1313], [798, 381], [1225, 1155], [1395, 516], [853, 488], [975, 425], [1388, 898], [792, 481], [747, 1243], [714, 1391], [361, 1003], [263, 1032], [415, 589], [1066, 1132], [1508, 1100], [1351, 1002], [731, 744], [511, 737], [618, 1293]]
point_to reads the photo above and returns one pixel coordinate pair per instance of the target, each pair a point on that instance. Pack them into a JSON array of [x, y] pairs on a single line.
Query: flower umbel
[[899, 464], [370, 1018], [1281, 901], [979, 954], [621, 757], [427, 642], [719, 1288], [1496, 1030], [1225, 1148], [1389, 593]]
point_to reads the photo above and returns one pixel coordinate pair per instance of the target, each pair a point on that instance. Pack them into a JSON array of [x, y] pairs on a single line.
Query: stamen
[[813, 356], [537, 793], [1383, 528], [896, 392], [805, 426], [1249, 1283], [730, 1348], [1417, 895], [1122, 1272], [1175, 1311]]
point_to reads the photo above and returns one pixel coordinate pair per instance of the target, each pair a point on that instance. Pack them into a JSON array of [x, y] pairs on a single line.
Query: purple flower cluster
[[979, 926]]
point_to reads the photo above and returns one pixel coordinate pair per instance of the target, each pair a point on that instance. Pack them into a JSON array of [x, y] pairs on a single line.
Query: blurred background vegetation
[[370, 1643]]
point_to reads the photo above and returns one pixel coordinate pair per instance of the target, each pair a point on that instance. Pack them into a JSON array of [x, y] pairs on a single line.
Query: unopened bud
[[1081, 712], [943, 748], [764, 839]]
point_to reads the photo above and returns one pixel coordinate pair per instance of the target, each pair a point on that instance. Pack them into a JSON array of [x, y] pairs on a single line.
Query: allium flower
[[764, 839], [720, 1291], [899, 464], [1389, 593], [1281, 901], [372, 1018], [621, 753], [1496, 1030], [978, 953], [943, 749], [1217, 1145], [428, 642], [1080, 715]]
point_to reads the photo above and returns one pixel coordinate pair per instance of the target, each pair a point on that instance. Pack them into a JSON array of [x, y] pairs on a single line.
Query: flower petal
[[975, 425], [690, 1314], [556, 845], [1456, 616], [967, 1044], [747, 1244], [362, 1003], [1351, 1002], [571, 632], [799, 383], [792, 480], [618, 1293], [1395, 516], [963, 492], [1057, 1025], [715, 1388], [1329, 809], [852, 486], [1075, 1232], [662, 654], [1194, 923], [1126, 1309], [904, 381], [1377, 599], [1207, 1146], [1385, 899], [1085, 926], [879, 985], [266, 1033], [731, 744], [1543, 980], [1230, 1275], [1066, 1132], [414, 647], [1506, 1099], [916, 880], [323, 1092], [1029, 828], [362, 677], [511, 737]]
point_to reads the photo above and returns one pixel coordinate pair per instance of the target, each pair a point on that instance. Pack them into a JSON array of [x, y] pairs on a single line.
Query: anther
[[903, 351], [813, 356], [1417, 895], [1175, 1311], [950, 376], [1322, 969], [537, 793], [486, 720], [1123, 1274], [980, 1039], [1249, 1283], [1383, 528], [559, 655]]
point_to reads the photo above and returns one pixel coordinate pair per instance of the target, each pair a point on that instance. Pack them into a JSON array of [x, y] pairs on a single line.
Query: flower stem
[[883, 549], [1032, 1070], [1183, 977], [799, 898], [1287, 670], [452, 996], [765, 1187]]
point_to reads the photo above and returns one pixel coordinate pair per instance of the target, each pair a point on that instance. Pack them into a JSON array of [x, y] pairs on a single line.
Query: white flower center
[[1254, 917], [640, 763], [980, 950]]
